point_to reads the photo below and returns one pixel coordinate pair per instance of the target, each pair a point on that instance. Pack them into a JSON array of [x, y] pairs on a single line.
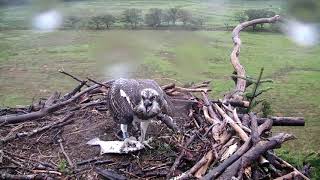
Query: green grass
[[216, 12]]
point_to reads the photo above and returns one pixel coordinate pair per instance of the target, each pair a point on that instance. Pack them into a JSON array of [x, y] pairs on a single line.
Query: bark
[[234, 57], [284, 121], [44, 111], [244, 148], [254, 153]]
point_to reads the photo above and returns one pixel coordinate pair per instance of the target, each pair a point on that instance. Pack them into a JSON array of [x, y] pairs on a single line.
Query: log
[[45, 111], [280, 121], [284, 121], [244, 148], [55, 124], [212, 174], [254, 153]]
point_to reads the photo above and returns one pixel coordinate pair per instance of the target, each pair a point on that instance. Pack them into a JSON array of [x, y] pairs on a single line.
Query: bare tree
[[185, 16], [173, 15], [132, 16], [153, 18]]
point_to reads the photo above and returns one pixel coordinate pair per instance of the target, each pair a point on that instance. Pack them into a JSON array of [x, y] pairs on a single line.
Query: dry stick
[[254, 153], [207, 116], [101, 84], [8, 176], [35, 131], [181, 89], [288, 165], [284, 121], [208, 104], [65, 154], [202, 170], [254, 129], [156, 167], [51, 99], [255, 138], [43, 112], [234, 57], [203, 161], [74, 91], [188, 174], [235, 126], [244, 148], [29, 159], [291, 175], [168, 86], [13, 160], [73, 77], [46, 171], [179, 158]]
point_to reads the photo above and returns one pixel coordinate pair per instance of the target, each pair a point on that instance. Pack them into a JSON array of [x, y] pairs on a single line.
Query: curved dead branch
[[234, 57]]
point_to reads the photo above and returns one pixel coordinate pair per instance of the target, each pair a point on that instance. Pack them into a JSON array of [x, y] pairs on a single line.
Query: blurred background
[[170, 41]]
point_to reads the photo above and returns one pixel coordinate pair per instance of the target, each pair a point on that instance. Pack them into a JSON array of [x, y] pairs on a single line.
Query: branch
[[45, 111], [55, 124], [72, 76], [212, 174], [179, 158], [254, 153], [234, 57]]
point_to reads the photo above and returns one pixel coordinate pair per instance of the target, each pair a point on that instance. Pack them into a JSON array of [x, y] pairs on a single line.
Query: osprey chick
[[136, 99]]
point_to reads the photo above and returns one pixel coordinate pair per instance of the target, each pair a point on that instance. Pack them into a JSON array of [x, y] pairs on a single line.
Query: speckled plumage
[[121, 109]]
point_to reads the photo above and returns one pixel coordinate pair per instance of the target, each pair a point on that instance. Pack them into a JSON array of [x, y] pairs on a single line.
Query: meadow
[[29, 61], [217, 13]]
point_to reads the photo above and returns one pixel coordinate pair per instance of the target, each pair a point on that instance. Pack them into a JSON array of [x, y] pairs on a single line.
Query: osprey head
[[149, 105]]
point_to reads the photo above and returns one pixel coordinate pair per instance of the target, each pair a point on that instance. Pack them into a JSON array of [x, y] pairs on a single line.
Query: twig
[[36, 131], [288, 165], [65, 154], [46, 171], [101, 84], [43, 112], [179, 158], [8, 176], [72, 76]]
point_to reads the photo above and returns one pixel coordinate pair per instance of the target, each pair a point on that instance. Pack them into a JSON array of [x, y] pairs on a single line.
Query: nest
[[210, 139]]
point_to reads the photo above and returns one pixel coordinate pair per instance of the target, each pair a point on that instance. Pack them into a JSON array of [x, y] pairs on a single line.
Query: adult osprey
[[136, 100]]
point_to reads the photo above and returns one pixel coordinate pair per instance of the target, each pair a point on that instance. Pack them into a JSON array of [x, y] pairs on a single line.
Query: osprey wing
[[123, 96]]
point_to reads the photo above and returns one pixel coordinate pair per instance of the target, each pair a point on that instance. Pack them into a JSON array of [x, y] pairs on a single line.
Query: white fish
[[119, 147]]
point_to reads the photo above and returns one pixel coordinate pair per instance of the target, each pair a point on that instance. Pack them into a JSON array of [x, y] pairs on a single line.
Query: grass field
[[29, 61], [216, 12]]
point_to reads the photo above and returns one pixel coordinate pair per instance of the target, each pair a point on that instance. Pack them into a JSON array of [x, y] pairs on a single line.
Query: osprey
[[139, 100]]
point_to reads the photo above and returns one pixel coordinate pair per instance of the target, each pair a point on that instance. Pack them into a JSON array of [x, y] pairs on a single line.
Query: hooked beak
[[147, 104]]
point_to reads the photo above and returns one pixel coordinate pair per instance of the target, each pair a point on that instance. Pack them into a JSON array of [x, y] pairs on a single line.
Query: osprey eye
[[152, 98]]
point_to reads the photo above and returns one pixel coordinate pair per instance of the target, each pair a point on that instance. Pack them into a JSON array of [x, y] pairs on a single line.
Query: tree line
[[134, 18], [251, 14]]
